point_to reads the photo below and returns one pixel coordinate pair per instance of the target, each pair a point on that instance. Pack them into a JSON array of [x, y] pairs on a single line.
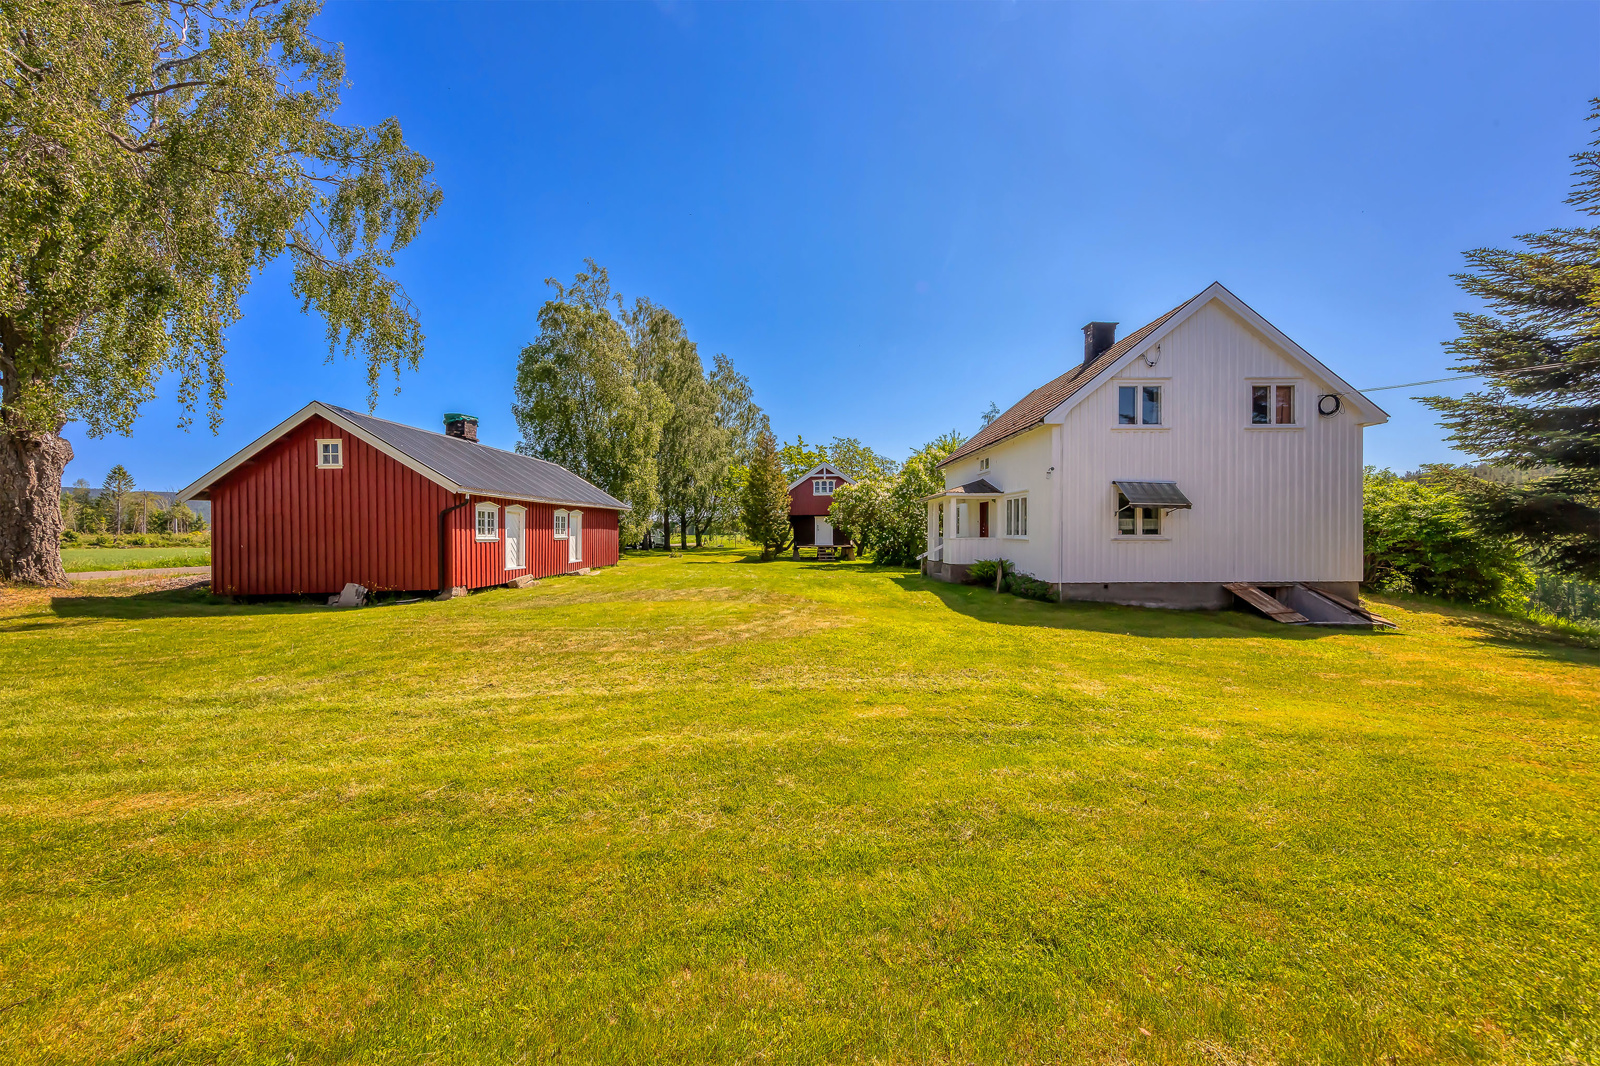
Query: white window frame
[[824, 486], [575, 543], [1139, 385], [521, 541], [1016, 517], [983, 465], [338, 449], [560, 522], [963, 520], [492, 511], [1297, 403], [1139, 535]]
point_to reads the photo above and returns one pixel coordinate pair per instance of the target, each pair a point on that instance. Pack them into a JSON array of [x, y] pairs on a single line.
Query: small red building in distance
[[809, 500], [332, 496]]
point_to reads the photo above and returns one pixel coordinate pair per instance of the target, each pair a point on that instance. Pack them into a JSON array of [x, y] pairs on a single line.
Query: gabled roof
[[457, 465], [824, 469], [1033, 409]]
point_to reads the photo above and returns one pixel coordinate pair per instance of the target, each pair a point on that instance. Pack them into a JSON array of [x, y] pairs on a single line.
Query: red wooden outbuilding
[[331, 496], [810, 496]]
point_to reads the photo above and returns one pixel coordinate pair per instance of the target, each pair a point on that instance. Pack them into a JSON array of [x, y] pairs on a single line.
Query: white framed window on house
[[1273, 405], [516, 538], [574, 536], [1017, 516], [961, 520], [488, 521], [560, 525], [1139, 405], [330, 454], [823, 486], [1137, 521], [983, 464]]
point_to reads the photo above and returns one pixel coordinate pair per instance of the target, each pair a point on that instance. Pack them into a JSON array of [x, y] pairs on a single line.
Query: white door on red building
[[515, 552], [575, 537], [824, 531]]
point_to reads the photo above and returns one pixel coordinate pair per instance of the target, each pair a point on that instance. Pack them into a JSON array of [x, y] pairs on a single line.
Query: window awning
[[1153, 494]]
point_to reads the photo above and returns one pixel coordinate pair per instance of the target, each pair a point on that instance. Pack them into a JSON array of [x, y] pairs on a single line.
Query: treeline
[[619, 395], [1425, 533], [121, 508]]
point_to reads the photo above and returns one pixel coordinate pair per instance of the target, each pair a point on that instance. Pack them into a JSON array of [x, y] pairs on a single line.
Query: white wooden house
[[1204, 449]]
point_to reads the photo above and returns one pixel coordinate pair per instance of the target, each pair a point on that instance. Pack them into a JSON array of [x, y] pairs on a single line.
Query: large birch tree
[[155, 157]]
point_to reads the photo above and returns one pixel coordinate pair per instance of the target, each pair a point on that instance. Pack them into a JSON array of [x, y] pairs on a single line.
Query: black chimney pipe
[[1097, 337]]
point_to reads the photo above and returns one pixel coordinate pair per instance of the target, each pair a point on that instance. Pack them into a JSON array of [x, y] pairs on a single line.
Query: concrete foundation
[[1178, 595]]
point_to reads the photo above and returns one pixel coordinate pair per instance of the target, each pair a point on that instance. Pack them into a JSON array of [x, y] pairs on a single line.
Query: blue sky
[[890, 215]]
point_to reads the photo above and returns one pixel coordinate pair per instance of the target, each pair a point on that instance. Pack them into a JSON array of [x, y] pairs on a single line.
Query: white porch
[[965, 550]]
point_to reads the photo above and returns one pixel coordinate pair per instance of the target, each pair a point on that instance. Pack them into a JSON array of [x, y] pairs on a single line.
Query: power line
[[1493, 373]]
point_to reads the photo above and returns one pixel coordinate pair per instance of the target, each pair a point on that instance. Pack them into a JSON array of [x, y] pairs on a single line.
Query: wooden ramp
[[1265, 603]]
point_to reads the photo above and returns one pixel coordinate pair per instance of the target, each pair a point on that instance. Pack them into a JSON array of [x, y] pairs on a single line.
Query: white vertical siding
[[1018, 465], [1270, 504]]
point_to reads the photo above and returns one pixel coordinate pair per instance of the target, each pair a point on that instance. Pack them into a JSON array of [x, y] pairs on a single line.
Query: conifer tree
[[116, 488], [766, 498], [1545, 304]]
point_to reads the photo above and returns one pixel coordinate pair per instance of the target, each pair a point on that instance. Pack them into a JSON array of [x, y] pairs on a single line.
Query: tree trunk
[[31, 465], [683, 532]]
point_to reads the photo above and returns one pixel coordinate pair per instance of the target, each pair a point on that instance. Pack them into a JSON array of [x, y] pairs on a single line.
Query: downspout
[[444, 545]]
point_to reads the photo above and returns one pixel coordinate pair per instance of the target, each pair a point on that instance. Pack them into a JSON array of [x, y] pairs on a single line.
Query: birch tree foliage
[[693, 449], [586, 401], [156, 157]]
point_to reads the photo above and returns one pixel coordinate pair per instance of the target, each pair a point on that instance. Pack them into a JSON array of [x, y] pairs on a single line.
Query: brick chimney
[[463, 426], [1097, 337]]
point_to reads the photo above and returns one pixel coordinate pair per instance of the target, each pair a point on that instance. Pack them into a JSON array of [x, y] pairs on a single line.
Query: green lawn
[[704, 810], [79, 560]]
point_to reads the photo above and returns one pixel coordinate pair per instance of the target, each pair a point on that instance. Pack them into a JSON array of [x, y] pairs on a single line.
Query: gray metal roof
[[980, 487], [1153, 494], [482, 469]]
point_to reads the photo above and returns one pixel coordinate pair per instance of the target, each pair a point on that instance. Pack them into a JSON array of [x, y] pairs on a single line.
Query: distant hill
[[199, 507]]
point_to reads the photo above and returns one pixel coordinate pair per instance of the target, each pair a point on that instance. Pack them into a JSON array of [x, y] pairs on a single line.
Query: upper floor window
[[1017, 516], [488, 521], [823, 486], [983, 464], [330, 453], [1272, 405], [1139, 405]]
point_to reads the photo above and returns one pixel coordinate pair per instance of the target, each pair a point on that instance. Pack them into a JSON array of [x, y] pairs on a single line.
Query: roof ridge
[[446, 436], [1025, 415]]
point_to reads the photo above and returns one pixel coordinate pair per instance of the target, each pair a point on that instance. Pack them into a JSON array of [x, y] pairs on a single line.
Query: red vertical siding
[[479, 564], [280, 525]]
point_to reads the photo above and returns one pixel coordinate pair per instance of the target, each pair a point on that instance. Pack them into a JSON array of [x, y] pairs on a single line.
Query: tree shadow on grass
[[190, 601], [1521, 635], [1002, 608]]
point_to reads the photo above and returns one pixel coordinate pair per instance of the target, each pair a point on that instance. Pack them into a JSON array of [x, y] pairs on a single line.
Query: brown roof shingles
[[1032, 408]]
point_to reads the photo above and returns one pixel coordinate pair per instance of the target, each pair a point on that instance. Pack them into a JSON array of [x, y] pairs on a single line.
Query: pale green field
[[704, 810], [80, 560]]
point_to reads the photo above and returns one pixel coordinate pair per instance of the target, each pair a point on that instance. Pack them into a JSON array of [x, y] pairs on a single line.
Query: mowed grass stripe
[[702, 809]]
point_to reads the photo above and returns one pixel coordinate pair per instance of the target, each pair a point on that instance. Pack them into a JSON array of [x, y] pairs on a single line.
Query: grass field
[[704, 810], [80, 560]]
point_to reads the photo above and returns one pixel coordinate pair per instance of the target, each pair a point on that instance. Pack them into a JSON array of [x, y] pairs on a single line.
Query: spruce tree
[[766, 498], [1539, 347], [115, 490]]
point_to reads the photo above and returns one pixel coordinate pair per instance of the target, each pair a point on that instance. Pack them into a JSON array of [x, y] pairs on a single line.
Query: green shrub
[[982, 572], [1030, 587], [1420, 538]]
